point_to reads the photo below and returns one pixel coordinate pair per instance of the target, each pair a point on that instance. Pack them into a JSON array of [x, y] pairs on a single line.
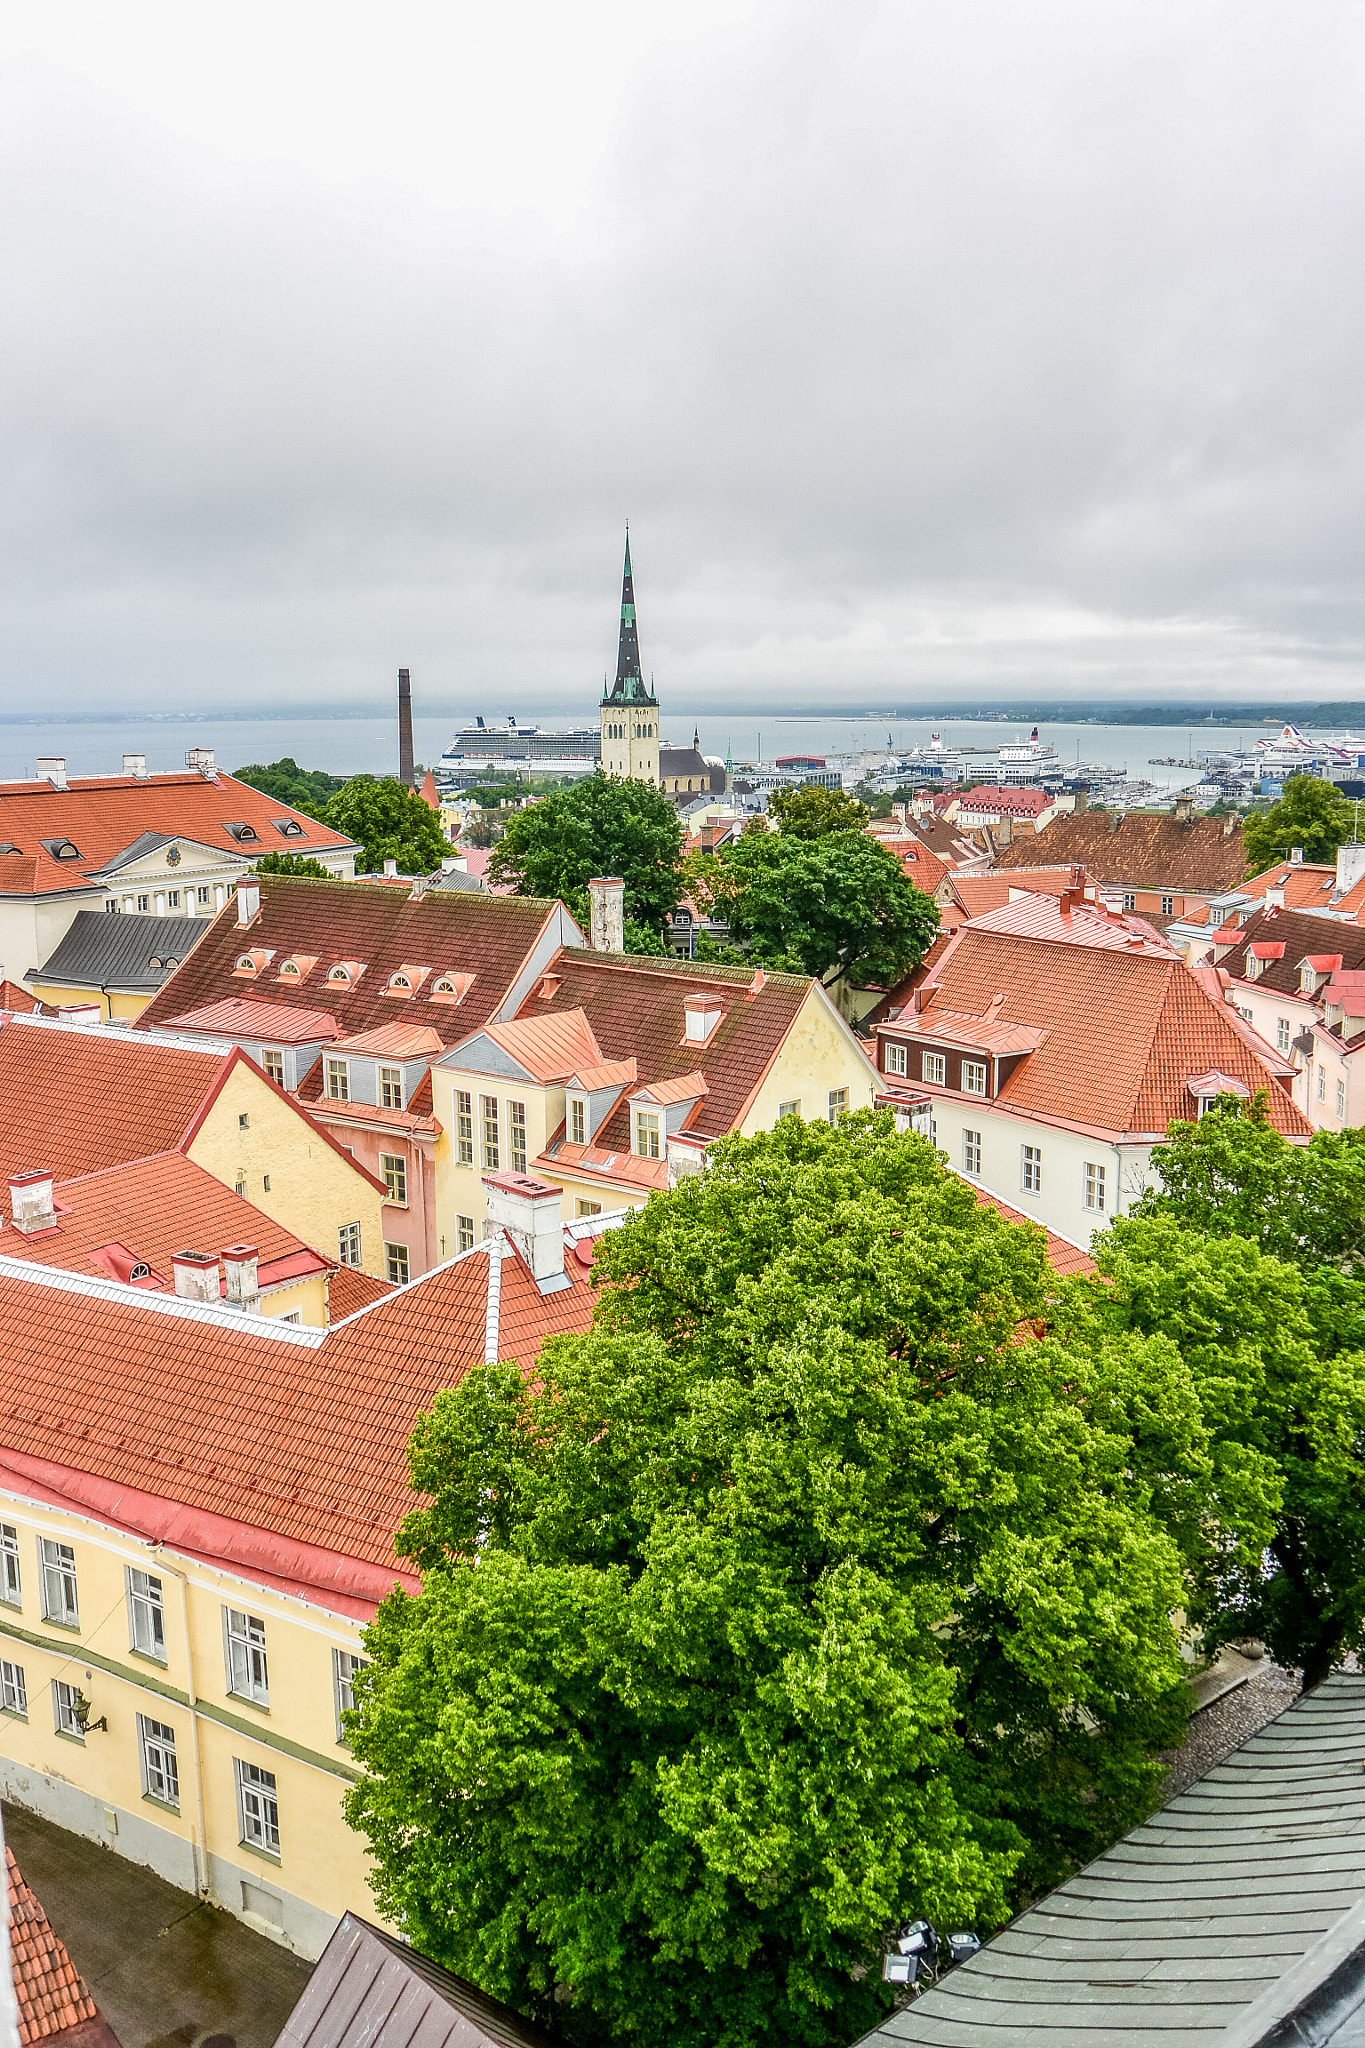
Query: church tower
[[630, 710]]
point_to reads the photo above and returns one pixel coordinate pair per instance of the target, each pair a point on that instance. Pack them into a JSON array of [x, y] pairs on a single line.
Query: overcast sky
[[936, 352]]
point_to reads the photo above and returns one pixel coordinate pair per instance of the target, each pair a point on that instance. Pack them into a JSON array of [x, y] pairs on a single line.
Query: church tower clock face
[[630, 709]]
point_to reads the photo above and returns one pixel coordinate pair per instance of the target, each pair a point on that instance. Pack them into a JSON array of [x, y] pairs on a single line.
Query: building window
[[464, 1126], [248, 1674], [348, 1244], [788, 1109], [586, 1208], [273, 1064], [243, 1121], [265, 1183], [11, 1590], [160, 1772], [971, 1152], [1031, 1169], [390, 1087], [146, 1616], [397, 1256], [838, 1104], [973, 1077], [933, 1067], [144, 903], [894, 1059], [464, 1233], [1322, 1083], [647, 1132], [488, 1110], [203, 895], [395, 1172], [344, 1668], [338, 1081], [1281, 1034], [13, 1691], [1129, 900], [516, 1135], [1168, 906], [58, 1561], [64, 1710], [1341, 1098], [578, 1120], [173, 899], [1094, 1186], [258, 1808]]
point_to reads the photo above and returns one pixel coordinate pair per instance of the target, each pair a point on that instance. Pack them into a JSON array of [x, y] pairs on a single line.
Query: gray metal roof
[[1234, 1917], [457, 878], [119, 951], [146, 842], [370, 1991]]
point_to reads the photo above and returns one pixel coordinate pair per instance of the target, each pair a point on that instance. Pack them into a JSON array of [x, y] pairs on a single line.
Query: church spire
[[629, 686]]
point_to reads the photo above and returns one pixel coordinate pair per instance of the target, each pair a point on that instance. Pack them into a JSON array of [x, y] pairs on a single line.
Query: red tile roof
[[14, 997], [1063, 1256], [978, 894], [151, 1209], [1007, 801], [1306, 886], [74, 1100], [381, 931], [102, 816], [924, 868], [1138, 850], [256, 1019], [349, 1290], [50, 1992]]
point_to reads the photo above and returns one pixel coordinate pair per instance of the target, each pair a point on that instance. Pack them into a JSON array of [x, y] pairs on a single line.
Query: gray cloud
[[932, 350]]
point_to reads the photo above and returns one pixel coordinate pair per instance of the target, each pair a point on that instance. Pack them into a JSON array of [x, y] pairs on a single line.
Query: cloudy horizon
[[941, 355]]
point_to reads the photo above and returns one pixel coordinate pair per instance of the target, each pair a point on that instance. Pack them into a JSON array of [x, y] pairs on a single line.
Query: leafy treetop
[[1310, 814], [603, 825], [391, 822], [300, 864], [303, 789], [812, 812]]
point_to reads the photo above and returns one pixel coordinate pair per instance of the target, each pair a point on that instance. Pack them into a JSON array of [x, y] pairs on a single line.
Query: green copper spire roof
[[629, 687]]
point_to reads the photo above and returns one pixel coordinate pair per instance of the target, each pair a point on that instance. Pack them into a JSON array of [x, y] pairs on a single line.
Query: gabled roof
[[1231, 1918], [1306, 885], [551, 1047], [951, 846], [77, 1099], [112, 817], [49, 1991], [370, 1991], [1008, 801], [399, 1039], [153, 1208], [258, 1021], [277, 1447], [1299, 937], [978, 894], [382, 932], [1138, 849], [128, 954]]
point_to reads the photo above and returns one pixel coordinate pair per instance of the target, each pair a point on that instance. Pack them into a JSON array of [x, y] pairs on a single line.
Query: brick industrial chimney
[[405, 728]]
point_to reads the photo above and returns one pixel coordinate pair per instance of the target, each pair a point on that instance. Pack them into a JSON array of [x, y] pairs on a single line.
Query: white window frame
[[64, 1710], [1031, 1169], [272, 1066], [345, 1664], [13, 1690], [1168, 906], [348, 1244], [244, 1657], [57, 1571], [1322, 1082], [11, 1582], [465, 1233], [516, 1136], [397, 1264], [895, 1058], [933, 1066], [146, 1614], [1095, 1187], [159, 1764], [578, 1120], [258, 1807], [489, 1134], [393, 1171], [1283, 1034], [587, 1208], [974, 1077], [338, 1080], [838, 1104], [647, 1133], [971, 1154], [464, 1127], [391, 1088], [1129, 900], [1341, 1097]]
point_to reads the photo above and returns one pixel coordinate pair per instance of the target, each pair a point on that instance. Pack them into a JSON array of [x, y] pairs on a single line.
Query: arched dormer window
[[289, 970], [245, 964], [400, 981], [339, 973]]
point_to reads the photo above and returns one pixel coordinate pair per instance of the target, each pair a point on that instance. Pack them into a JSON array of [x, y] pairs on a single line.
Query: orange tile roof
[[349, 1290], [49, 1991], [13, 997], [978, 894], [1010, 802], [74, 1100], [1306, 886], [380, 930], [153, 1208], [1063, 1256], [924, 868], [103, 816]]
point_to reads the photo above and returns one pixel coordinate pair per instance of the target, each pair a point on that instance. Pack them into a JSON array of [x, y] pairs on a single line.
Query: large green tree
[[601, 825], [813, 812], [391, 822], [303, 789], [808, 1593], [1310, 814], [835, 905]]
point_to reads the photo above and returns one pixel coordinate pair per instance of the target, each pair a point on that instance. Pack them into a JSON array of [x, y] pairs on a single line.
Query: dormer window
[[245, 964], [401, 983], [289, 970], [1255, 967], [578, 1120], [241, 831], [451, 988], [62, 849], [288, 828], [339, 973]]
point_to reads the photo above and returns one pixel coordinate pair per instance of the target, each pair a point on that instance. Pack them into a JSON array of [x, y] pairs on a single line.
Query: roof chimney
[[196, 1276], [528, 1210], [391, 866], [405, 728], [1184, 809], [30, 1200], [1296, 856], [1350, 865], [135, 764], [52, 768], [248, 900], [1081, 800], [1004, 831], [703, 1013], [239, 1272], [607, 896], [201, 759]]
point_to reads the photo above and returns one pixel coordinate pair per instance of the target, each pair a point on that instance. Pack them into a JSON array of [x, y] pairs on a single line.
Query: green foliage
[[812, 812], [797, 1599], [836, 905], [640, 938], [391, 822], [602, 825], [1310, 814], [301, 864], [303, 789]]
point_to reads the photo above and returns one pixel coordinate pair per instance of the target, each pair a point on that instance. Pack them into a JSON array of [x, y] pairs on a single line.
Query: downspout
[[199, 1847]]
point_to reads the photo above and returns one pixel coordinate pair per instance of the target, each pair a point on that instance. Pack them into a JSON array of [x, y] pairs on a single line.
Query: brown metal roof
[[1137, 850]]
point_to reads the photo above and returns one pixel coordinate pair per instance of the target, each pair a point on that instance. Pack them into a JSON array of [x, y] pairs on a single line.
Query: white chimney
[[1296, 856], [239, 1272], [201, 758], [607, 896], [1350, 865], [1274, 898], [30, 1201], [703, 1013], [196, 1276], [391, 867], [80, 1013], [528, 1210], [52, 768], [248, 900], [135, 764]]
